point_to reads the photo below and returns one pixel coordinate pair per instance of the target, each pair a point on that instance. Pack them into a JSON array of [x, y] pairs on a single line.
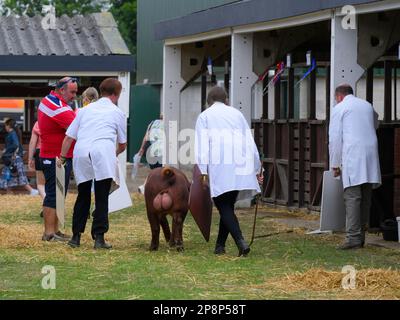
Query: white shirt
[[97, 128], [353, 144], [225, 150]]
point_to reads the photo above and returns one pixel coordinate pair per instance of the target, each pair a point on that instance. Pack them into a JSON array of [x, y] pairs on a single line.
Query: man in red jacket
[[54, 117]]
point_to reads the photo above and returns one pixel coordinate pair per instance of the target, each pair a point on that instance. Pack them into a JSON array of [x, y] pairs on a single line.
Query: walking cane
[[258, 196]]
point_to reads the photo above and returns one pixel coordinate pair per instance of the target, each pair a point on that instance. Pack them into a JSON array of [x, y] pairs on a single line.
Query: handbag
[[6, 159], [9, 161], [13, 167]]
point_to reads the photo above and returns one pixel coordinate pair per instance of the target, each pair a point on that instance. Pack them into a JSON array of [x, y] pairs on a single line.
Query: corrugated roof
[[91, 35]]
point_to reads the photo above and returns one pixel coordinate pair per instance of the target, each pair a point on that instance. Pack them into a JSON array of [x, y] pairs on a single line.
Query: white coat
[[225, 150], [97, 128], [353, 144]]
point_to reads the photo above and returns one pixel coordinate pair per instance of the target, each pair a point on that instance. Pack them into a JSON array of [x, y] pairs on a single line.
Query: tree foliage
[[70, 7], [124, 12]]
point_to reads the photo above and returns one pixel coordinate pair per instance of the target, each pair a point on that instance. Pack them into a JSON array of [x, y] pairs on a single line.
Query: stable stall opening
[[290, 112]]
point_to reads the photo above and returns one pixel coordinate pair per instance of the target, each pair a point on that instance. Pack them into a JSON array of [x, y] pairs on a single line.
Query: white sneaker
[[34, 192], [141, 189]]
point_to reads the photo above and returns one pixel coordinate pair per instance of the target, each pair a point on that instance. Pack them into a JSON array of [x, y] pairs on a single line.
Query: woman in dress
[[14, 150]]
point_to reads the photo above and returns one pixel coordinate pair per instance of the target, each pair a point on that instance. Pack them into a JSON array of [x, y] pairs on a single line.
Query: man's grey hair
[[63, 83], [344, 89], [217, 94]]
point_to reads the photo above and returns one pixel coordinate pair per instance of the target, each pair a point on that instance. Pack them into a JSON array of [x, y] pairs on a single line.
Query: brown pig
[[167, 193]]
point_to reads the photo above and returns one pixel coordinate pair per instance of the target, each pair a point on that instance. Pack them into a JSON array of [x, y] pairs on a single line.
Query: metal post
[[277, 91], [328, 94], [370, 85], [265, 99], [395, 93], [226, 77], [290, 93], [387, 117], [213, 79], [327, 113], [313, 96], [203, 91]]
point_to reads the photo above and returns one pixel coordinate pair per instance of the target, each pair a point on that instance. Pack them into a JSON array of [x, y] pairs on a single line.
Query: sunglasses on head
[[60, 84]]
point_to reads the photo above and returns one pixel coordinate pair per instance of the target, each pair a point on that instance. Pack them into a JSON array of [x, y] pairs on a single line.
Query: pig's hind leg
[[165, 227], [155, 230]]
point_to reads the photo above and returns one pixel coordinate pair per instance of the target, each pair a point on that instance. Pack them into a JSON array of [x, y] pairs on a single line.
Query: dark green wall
[[149, 51], [144, 107]]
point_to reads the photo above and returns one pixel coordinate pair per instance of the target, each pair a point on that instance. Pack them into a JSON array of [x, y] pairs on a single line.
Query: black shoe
[[349, 246], [243, 247], [99, 243], [219, 249], [75, 242]]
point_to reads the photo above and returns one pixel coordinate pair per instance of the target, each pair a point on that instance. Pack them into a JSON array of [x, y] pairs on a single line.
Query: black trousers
[[228, 223], [82, 207]]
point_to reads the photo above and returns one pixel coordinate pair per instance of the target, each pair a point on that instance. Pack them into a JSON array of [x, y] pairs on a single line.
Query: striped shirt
[[54, 117]]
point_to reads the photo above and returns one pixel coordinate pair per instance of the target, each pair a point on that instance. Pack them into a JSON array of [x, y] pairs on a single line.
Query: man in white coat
[[227, 155], [100, 134], [353, 149]]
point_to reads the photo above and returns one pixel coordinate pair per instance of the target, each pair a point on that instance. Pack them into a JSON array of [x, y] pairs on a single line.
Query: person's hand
[[336, 172], [260, 178], [31, 164], [61, 161], [204, 180]]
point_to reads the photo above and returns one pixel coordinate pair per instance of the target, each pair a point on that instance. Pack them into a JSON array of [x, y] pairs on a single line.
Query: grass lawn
[[287, 265]]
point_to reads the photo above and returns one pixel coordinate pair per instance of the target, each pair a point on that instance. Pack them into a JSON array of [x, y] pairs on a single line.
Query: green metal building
[[145, 95]]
